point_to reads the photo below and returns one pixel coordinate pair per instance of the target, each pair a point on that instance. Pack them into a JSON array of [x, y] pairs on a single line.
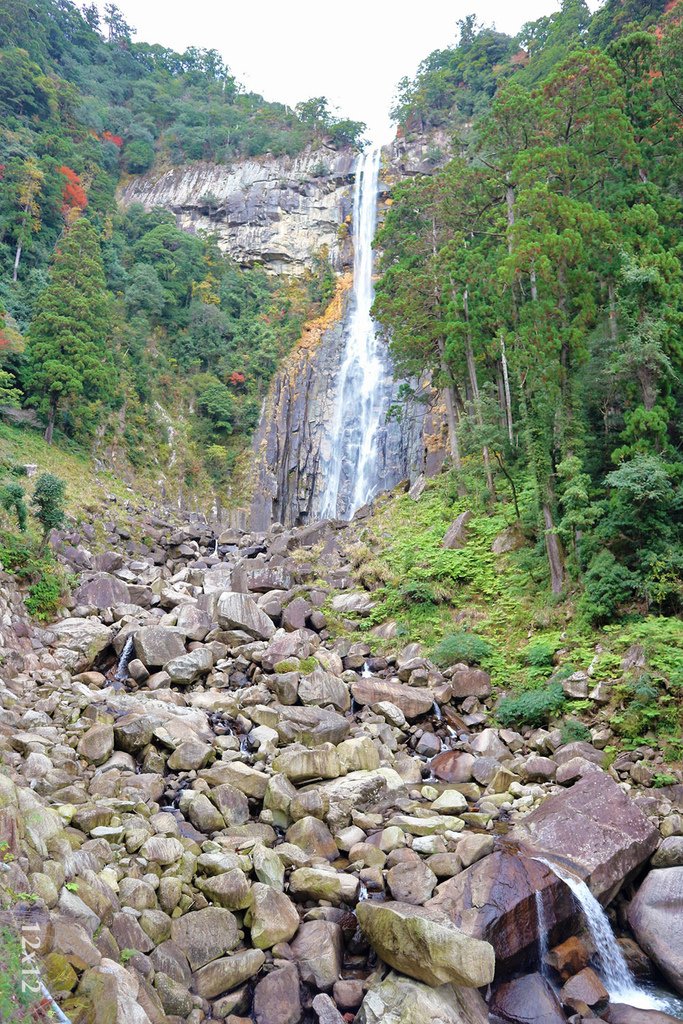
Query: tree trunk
[[451, 411], [554, 551], [49, 430], [474, 384], [613, 323], [506, 385], [17, 257]]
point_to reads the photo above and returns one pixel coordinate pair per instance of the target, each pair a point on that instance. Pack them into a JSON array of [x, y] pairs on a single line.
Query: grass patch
[[17, 1003]]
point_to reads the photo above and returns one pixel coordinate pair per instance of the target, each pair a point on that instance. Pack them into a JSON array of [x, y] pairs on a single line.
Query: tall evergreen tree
[[71, 366]]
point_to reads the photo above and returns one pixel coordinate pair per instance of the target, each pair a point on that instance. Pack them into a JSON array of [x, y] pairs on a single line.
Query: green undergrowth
[[18, 1004], [496, 612]]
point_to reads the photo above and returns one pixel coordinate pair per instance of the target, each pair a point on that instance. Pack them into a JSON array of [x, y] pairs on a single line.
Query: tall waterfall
[[364, 385]]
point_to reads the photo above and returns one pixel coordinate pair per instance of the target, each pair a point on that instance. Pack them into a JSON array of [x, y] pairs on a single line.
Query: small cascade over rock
[[612, 966]]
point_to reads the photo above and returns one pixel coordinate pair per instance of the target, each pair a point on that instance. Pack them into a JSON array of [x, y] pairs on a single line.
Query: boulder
[[85, 637], [453, 766], [276, 997], [413, 701], [272, 915], [584, 989], [411, 882], [97, 744], [495, 900], [205, 935], [669, 854], [239, 611], [656, 917], [311, 726], [227, 973], [189, 667], [401, 1000], [423, 943], [596, 827], [620, 1013], [301, 764], [526, 1000], [102, 591], [155, 646], [456, 534], [113, 993], [470, 682], [318, 951]]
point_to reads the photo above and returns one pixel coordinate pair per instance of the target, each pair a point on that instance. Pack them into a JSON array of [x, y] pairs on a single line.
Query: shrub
[[534, 707], [461, 646], [607, 585], [574, 731], [47, 504], [540, 653], [662, 779]]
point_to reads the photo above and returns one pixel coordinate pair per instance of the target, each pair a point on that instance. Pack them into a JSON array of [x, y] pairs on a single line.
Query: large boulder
[[81, 640], [112, 993], [456, 534], [102, 591], [311, 726], [656, 917], [155, 646], [205, 935], [423, 944], [495, 900], [412, 700], [239, 611], [188, 667], [597, 827], [401, 1000]]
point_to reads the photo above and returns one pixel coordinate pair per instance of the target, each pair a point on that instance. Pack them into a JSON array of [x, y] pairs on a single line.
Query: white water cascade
[[616, 977], [364, 382]]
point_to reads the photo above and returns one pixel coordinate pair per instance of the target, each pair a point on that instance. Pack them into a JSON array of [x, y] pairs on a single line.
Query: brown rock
[[413, 701], [277, 999], [585, 989], [526, 1000], [453, 766], [570, 957], [470, 682], [317, 950]]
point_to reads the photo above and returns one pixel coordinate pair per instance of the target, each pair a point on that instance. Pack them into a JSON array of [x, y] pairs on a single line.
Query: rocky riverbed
[[214, 809]]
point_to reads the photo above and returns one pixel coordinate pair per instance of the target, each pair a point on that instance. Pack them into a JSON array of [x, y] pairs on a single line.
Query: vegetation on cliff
[[538, 277], [173, 323]]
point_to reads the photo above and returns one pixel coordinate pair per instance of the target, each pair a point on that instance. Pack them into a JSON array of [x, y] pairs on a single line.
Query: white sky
[[352, 51]]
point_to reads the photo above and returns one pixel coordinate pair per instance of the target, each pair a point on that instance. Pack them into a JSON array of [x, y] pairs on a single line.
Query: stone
[[584, 989], [113, 993], [656, 917], [239, 611], [273, 916], [595, 826], [157, 645], [526, 1000], [174, 995], [538, 769], [232, 804], [620, 1013], [411, 882], [301, 765], [495, 900], [413, 701], [358, 754], [102, 591], [323, 688], [313, 837], [194, 622], [451, 801], [453, 766], [348, 993], [570, 957], [84, 637], [318, 884], [353, 604], [326, 1011], [276, 997], [189, 667], [669, 854], [227, 973], [160, 850], [229, 889], [318, 951], [97, 744], [189, 756], [487, 743], [204, 816], [248, 780], [474, 847], [205, 935], [456, 534], [401, 1000], [423, 943], [311, 726], [470, 682]]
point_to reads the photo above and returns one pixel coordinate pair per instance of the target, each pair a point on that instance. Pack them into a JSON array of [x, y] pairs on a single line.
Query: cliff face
[[293, 444], [278, 211]]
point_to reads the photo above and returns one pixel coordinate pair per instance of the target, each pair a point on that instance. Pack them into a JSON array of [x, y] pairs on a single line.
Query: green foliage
[[12, 499], [18, 1005], [43, 576], [47, 503], [533, 708], [661, 779], [540, 653], [573, 731], [461, 646]]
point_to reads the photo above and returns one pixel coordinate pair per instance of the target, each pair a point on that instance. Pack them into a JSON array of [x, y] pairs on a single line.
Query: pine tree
[[71, 367]]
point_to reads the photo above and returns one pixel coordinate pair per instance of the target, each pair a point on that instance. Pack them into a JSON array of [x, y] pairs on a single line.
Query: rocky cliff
[[278, 211]]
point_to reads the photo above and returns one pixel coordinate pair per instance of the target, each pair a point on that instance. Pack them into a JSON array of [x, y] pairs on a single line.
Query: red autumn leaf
[[73, 192]]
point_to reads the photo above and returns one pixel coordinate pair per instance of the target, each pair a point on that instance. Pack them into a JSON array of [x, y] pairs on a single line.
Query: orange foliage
[[109, 137], [237, 378], [73, 192]]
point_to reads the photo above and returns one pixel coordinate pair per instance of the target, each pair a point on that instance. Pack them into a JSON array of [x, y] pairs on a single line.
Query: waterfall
[[364, 383], [124, 660], [612, 966], [542, 929]]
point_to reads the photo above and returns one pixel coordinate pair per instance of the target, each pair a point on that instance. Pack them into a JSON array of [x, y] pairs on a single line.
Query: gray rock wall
[[279, 211]]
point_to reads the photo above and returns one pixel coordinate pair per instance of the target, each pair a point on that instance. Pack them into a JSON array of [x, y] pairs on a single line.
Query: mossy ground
[[432, 593], [18, 1004]]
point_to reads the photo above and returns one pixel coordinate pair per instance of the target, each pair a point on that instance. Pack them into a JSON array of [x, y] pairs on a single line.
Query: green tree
[[70, 362], [47, 504]]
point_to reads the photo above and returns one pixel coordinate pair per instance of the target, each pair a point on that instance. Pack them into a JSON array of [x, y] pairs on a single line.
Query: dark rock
[[276, 997], [526, 1000], [456, 535]]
